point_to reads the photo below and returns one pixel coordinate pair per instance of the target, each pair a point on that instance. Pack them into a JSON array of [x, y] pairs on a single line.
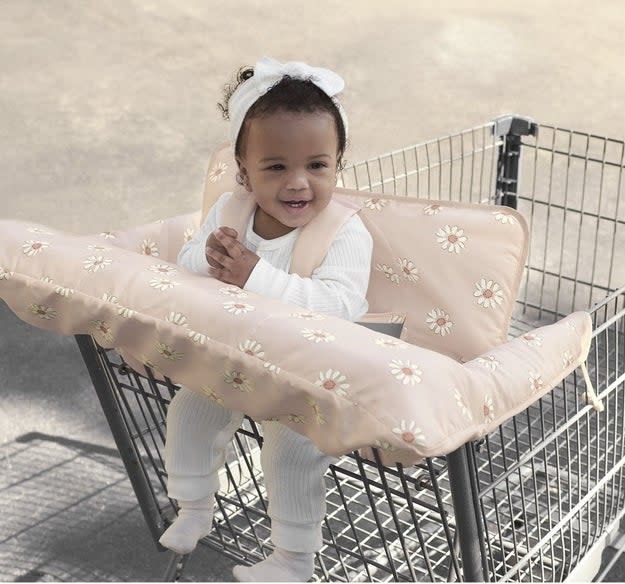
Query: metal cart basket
[[539, 498]]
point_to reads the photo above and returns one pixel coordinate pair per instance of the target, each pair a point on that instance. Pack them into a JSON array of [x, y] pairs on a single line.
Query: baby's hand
[[232, 262], [213, 243]]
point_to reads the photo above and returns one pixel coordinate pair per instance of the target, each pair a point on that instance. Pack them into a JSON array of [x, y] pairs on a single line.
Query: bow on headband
[[268, 72]]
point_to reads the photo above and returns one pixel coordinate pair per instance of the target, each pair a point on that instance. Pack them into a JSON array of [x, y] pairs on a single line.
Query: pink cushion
[[342, 385]]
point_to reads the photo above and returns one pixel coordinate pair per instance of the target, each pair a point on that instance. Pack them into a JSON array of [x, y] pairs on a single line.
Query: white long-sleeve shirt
[[337, 287]]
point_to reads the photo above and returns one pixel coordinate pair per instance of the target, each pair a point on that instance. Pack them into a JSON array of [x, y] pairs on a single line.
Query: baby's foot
[[194, 522], [280, 566]]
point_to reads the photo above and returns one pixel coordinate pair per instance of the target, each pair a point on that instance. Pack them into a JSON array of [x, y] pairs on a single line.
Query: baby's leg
[[198, 431], [294, 469]]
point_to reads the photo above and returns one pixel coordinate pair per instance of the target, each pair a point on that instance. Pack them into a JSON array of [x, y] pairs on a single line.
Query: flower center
[[441, 321], [329, 384], [486, 411], [487, 294], [407, 371], [36, 245], [237, 381], [452, 238], [407, 437]]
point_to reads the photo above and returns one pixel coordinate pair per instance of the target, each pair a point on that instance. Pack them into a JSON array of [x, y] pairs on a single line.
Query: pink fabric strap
[[316, 237]]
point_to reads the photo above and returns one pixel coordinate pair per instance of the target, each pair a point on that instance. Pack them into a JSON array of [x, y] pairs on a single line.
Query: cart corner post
[[468, 529], [510, 128], [121, 435]]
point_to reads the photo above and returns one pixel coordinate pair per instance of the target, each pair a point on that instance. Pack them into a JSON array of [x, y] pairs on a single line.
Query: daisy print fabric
[[344, 386]]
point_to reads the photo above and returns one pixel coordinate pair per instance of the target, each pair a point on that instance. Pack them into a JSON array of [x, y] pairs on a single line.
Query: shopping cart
[[539, 498]]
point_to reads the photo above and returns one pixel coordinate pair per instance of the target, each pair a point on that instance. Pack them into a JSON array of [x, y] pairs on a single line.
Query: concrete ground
[[107, 117]]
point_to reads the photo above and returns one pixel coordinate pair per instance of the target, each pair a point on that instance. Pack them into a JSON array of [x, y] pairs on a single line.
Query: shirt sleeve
[[192, 256], [338, 287]]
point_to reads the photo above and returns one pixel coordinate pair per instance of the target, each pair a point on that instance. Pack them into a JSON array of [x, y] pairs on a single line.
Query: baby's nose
[[297, 181]]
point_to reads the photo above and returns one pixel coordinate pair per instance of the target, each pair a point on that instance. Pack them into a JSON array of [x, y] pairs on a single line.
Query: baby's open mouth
[[296, 204]]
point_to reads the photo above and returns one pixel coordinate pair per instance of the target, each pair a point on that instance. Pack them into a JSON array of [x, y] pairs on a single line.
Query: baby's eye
[[318, 164], [276, 167]]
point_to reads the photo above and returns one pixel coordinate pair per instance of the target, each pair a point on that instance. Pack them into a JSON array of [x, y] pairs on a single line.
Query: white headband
[[268, 72]]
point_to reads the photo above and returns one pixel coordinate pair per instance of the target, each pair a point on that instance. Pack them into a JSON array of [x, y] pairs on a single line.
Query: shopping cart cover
[[344, 386], [448, 271]]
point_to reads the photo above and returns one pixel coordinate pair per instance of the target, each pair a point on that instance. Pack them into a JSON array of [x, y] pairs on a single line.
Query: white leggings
[[198, 431]]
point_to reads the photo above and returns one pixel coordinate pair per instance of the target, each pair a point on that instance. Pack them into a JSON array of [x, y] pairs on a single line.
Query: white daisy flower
[[217, 172], [383, 445], [252, 348], [296, 418], [110, 298], [210, 394], [5, 274], [96, 263], [238, 381], [271, 367], [376, 203], [451, 238], [439, 322], [388, 272], [488, 293], [237, 308], [536, 382], [32, 247], [488, 361], [308, 315], [164, 269], [188, 234], [125, 312], [319, 419], [505, 218], [408, 270], [177, 318], [163, 284], [567, 359], [433, 209], [462, 405], [532, 339], [108, 235], [318, 336], [233, 291], [103, 329], [98, 248], [62, 291], [198, 338], [391, 343], [405, 371], [409, 432], [168, 351], [488, 409], [42, 311], [149, 248], [333, 381]]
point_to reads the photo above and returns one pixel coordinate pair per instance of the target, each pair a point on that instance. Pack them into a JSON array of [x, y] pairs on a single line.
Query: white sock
[[280, 566], [194, 521]]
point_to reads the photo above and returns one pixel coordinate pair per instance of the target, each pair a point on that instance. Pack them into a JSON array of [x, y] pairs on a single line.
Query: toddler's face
[[290, 161]]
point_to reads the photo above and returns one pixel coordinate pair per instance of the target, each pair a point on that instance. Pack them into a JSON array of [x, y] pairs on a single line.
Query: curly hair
[[291, 95]]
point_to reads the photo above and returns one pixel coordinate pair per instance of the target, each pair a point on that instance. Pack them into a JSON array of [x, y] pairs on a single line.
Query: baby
[[290, 134]]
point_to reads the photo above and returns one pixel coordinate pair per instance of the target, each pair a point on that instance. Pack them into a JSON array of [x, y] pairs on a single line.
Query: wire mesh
[[549, 481]]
